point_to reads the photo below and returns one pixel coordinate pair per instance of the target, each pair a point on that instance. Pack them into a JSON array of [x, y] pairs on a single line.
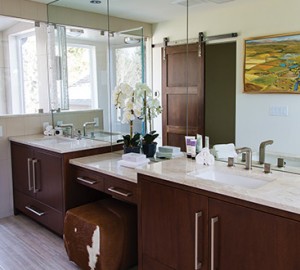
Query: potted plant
[[148, 144], [132, 143], [136, 103]]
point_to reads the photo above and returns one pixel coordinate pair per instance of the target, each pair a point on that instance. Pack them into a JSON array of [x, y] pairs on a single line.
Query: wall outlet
[[45, 124], [96, 119], [279, 111], [59, 123], [1, 131]]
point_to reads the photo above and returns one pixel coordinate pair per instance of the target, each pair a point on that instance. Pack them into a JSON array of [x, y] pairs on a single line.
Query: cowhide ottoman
[[102, 235]]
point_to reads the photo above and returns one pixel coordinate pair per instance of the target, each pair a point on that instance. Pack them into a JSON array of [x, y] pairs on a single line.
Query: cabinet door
[[22, 168], [174, 228], [192, 230], [48, 179], [243, 238], [158, 225]]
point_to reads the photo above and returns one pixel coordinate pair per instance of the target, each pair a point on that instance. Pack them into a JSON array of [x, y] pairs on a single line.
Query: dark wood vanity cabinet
[[186, 228], [245, 238], [115, 187], [38, 184], [173, 226], [43, 186]]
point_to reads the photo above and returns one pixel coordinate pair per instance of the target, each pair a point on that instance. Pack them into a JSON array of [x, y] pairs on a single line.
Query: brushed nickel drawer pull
[[87, 181], [114, 190], [35, 211], [34, 178], [29, 160], [212, 242], [198, 264]]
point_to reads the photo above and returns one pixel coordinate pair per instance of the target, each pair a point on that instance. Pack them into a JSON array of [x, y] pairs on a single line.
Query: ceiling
[[152, 11]]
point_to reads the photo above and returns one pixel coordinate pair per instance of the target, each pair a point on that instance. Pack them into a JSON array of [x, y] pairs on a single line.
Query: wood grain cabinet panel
[[184, 228], [117, 188], [42, 183], [249, 239], [173, 226]]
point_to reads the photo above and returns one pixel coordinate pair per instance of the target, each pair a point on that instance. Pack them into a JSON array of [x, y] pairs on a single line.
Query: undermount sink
[[236, 178], [65, 142]]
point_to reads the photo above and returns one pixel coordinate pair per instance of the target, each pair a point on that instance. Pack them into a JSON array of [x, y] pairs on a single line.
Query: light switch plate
[[96, 119], [279, 111], [1, 131]]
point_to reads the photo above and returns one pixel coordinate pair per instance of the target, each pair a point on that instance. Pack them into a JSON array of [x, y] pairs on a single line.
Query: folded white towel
[[131, 164], [205, 157], [223, 151]]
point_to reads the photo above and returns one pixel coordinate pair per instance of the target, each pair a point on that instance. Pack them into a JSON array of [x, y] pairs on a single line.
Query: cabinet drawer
[[89, 178], [45, 215], [121, 189]]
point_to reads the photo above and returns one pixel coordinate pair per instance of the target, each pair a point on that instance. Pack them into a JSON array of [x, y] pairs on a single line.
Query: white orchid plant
[[136, 103]]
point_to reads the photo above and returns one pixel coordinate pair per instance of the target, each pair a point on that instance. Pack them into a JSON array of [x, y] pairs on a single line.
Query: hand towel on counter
[[133, 160], [223, 151], [205, 157], [132, 164]]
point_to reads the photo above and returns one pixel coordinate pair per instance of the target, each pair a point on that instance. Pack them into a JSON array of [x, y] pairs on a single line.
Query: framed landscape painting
[[272, 64]]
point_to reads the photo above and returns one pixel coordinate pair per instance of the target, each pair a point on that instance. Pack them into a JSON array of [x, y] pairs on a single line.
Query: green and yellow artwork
[[272, 64]]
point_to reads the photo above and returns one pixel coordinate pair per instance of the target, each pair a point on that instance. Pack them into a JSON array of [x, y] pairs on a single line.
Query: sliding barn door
[[182, 93]]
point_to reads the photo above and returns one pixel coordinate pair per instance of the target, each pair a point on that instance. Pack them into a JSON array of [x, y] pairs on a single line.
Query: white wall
[[250, 19]]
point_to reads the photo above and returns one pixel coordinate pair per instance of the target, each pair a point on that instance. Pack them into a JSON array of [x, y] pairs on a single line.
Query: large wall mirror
[[124, 38]]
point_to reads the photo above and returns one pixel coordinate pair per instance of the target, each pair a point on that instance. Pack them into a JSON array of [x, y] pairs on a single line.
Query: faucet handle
[[230, 162]]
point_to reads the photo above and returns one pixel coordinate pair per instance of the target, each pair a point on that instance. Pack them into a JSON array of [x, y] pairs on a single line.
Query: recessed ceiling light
[[95, 1], [131, 40]]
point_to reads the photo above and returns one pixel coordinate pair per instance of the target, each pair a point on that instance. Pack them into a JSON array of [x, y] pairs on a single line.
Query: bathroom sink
[[65, 143], [234, 178]]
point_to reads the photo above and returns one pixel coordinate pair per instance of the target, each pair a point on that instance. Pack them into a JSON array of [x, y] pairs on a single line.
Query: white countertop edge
[[28, 140]]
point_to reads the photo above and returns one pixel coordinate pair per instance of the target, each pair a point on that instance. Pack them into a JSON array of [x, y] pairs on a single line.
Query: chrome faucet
[[70, 126], [85, 126], [262, 150], [248, 152]]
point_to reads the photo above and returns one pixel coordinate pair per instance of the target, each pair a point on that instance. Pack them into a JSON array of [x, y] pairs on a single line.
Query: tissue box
[[134, 157]]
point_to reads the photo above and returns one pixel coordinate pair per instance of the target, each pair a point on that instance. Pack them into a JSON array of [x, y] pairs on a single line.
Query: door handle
[[87, 181], [198, 264], [34, 178], [214, 220], [35, 211], [122, 193], [29, 160]]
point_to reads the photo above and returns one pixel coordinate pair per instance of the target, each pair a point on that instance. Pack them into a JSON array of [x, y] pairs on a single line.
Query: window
[[28, 73], [81, 77], [128, 65]]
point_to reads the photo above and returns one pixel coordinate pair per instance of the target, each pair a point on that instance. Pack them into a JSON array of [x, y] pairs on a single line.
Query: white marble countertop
[[281, 191], [59, 144], [107, 164]]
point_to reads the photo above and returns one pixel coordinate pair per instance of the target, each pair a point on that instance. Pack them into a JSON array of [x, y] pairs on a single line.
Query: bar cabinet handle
[[114, 190], [29, 160], [198, 264], [34, 162], [212, 243], [35, 211], [87, 181]]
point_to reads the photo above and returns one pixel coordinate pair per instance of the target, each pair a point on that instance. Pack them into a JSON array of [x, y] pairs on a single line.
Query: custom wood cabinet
[[43, 186], [38, 184], [115, 187], [172, 228], [187, 228], [243, 238]]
